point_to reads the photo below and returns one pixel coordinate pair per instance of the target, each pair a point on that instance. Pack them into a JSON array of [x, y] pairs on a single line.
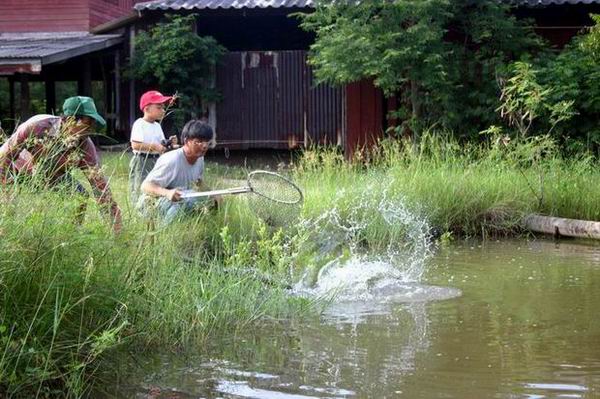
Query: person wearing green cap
[[52, 146]]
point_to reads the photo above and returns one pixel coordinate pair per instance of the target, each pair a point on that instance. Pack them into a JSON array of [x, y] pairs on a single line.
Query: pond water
[[507, 319]]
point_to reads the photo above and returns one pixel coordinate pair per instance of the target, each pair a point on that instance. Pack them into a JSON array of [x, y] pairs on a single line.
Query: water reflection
[[243, 390], [352, 351], [525, 326]]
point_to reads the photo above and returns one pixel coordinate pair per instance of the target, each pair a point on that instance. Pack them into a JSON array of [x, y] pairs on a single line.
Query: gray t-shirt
[[172, 170]]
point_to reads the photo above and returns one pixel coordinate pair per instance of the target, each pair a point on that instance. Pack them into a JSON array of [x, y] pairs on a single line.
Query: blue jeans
[[168, 211]]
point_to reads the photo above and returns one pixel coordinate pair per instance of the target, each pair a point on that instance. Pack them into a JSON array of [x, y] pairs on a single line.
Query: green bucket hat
[[82, 106]]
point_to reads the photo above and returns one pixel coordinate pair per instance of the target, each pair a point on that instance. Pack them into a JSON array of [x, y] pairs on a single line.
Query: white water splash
[[389, 273]]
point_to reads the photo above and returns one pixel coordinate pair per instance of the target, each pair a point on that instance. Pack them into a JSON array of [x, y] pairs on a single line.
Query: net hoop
[[275, 177]]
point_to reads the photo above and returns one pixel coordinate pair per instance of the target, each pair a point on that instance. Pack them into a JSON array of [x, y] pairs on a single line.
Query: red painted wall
[[102, 11], [59, 15], [364, 116], [44, 15]]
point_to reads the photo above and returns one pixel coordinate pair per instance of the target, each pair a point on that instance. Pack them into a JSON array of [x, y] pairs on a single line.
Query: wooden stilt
[[50, 88], [24, 100]]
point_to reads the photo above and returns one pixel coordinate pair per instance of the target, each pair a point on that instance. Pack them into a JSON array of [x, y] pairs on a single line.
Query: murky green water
[[527, 325]]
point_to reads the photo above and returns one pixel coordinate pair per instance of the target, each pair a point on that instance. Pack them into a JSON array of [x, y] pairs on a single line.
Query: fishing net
[[277, 201], [274, 187]]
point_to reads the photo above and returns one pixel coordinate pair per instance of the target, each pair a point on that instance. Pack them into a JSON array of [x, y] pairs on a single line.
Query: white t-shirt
[[146, 132], [172, 170]]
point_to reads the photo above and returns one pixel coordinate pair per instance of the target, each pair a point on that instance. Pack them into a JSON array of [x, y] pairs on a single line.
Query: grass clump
[[467, 189], [72, 293]]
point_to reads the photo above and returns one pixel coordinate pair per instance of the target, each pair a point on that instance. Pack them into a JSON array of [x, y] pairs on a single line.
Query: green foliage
[[71, 294], [441, 57], [173, 56], [378, 39], [470, 189], [573, 76], [524, 99]]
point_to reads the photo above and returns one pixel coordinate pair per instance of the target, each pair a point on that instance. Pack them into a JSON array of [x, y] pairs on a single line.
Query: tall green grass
[[469, 189], [72, 294]]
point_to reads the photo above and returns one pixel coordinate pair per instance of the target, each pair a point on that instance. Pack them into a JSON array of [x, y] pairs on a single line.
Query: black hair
[[197, 129]]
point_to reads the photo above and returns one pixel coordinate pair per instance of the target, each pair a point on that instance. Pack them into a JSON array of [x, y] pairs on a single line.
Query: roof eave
[[116, 23], [89, 48], [26, 65]]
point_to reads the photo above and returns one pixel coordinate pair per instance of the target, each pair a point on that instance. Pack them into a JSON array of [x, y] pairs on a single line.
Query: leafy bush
[[524, 100], [440, 57], [557, 93], [574, 75], [173, 56]]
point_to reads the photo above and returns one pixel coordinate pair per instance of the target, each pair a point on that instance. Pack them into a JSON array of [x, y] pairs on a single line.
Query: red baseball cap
[[153, 97]]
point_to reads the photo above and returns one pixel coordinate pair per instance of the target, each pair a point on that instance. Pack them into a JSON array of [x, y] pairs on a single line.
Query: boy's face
[[155, 111]]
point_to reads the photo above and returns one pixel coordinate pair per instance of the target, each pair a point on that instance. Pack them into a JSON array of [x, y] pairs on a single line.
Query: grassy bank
[[465, 189], [71, 294]]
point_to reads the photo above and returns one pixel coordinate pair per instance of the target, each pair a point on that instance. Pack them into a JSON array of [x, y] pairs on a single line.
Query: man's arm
[[155, 190], [104, 196], [10, 150], [147, 147], [90, 166], [161, 177]]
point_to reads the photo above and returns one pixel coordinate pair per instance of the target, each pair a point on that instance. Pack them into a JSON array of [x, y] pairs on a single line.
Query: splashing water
[[388, 247]]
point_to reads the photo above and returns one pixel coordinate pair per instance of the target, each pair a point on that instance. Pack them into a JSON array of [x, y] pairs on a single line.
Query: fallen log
[[562, 227]]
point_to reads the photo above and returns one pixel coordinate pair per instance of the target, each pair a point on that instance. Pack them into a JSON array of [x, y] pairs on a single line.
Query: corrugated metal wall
[[270, 101], [325, 113], [365, 115]]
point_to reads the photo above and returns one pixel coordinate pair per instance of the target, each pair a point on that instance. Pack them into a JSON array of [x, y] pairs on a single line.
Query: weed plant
[[73, 293], [467, 189]]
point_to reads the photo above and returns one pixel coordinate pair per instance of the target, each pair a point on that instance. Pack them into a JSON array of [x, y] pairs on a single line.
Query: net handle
[[226, 191], [250, 189]]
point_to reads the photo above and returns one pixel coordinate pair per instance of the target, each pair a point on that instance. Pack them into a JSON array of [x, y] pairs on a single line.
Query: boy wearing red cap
[[147, 139]]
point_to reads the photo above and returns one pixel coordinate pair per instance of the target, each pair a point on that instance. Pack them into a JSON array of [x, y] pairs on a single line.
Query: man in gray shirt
[[177, 171]]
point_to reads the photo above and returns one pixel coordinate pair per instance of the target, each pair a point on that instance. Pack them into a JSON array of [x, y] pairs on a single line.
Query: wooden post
[[11, 98], [84, 84], [132, 99], [24, 103], [50, 88], [117, 88], [107, 96]]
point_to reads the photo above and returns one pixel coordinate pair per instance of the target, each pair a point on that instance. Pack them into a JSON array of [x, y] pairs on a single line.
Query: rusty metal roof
[[550, 2], [41, 48], [213, 4]]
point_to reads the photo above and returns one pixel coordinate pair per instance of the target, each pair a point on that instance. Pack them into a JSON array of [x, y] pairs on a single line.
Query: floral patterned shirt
[[39, 144]]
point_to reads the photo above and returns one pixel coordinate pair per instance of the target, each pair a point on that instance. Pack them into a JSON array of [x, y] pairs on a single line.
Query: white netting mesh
[[274, 187]]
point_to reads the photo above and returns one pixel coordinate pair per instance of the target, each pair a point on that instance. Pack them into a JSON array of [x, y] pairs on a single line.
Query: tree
[[574, 76], [439, 56], [173, 56]]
